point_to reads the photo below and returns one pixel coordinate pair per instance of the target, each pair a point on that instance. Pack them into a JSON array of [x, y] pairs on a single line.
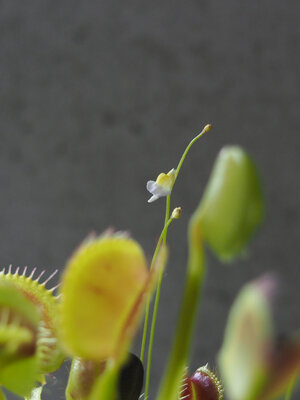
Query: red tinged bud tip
[[203, 385]]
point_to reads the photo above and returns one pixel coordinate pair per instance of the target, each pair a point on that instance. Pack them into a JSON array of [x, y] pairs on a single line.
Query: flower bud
[[176, 213], [207, 128]]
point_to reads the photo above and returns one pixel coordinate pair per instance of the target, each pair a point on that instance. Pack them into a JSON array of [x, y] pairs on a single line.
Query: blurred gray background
[[97, 97]]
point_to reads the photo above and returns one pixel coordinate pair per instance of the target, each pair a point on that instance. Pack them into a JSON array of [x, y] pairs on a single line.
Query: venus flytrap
[[253, 364], [111, 274], [18, 331], [248, 340], [50, 353], [203, 384], [29, 301], [106, 287], [232, 206]]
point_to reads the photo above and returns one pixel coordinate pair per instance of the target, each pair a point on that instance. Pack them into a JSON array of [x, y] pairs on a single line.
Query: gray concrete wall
[[97, 97]]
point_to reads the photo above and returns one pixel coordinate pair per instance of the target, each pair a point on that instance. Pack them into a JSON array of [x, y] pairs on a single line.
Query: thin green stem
[[167, 216], [181, 345], [152, 332], [289, 391], [142, 354], [157, 296], [204, 130], [161, 238]]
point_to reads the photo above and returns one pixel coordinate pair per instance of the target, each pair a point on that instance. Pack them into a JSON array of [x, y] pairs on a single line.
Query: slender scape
[[181, 344], [157, 296]]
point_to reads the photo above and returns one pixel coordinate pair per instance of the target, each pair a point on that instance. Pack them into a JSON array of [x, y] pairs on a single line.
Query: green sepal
[[232, 205]]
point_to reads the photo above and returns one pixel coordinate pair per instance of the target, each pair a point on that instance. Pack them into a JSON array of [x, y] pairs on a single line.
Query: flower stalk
[[181, 345], [174, 175]]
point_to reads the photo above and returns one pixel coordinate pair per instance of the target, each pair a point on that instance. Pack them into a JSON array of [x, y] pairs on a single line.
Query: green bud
[[232, 206]]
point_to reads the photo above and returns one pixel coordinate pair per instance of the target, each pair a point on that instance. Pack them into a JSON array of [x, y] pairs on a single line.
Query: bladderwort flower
[[163, 185]]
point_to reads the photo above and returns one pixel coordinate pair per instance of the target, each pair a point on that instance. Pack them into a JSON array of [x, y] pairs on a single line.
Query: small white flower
[[162, 186]]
